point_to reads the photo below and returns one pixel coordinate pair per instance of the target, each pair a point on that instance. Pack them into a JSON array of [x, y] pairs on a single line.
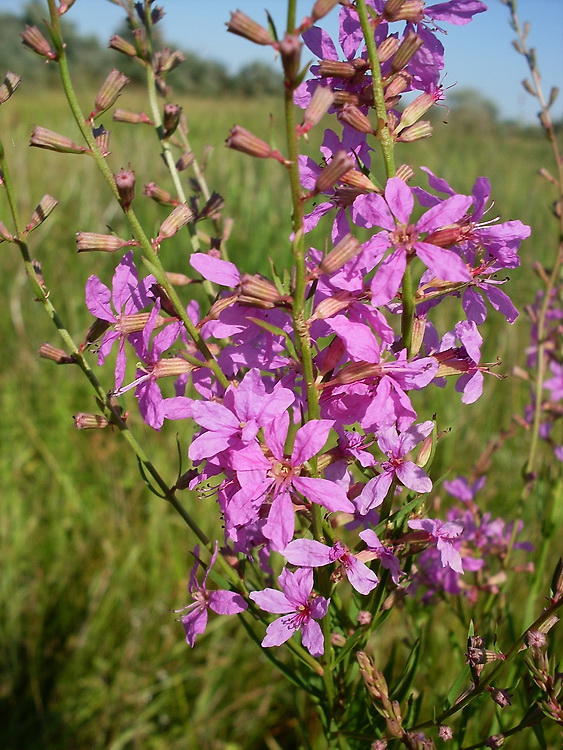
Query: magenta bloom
[[396, 446], [393, 213], [299, 609], [127, 297], [221, 602], [308, 553], [445, 535], [277, 478]]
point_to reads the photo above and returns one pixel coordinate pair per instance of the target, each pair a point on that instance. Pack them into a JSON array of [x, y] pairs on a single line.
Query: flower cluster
[[308, 441]]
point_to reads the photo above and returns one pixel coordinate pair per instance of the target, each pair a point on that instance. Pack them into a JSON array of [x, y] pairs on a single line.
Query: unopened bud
[[185, 479], [358, 180], [446, 237], [5, 235], [404, 10], [408, 47], [108, 93], [241, 139], [398, 85], [55, 355], [178, 279], [10, 84], [90, 242], [495, 741], [425, 450], [244, 26], [387, 49], [405, 172], [416, 109], [290, 51], [84, 421], [418, 329], [64, 6], [319, 105], [121, 45], [43, 138], [336, 69], [337, 167], [179, 217], [133, 118], [353, 116], [101, 136], [166, 61], [321, 8], [212, 208], [125, 184], [416, 132], [257, 289], [331, 356], [34, 40], [171, 119], [185, 161], [332, 306], [159, 195], [345, 250], [46, 206]]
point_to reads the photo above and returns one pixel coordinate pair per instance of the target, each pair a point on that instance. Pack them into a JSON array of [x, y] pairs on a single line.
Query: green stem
[[407, 316], [383, 133]]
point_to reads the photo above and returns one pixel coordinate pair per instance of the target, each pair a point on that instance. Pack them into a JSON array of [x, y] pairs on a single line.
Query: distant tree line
[[90, 60]]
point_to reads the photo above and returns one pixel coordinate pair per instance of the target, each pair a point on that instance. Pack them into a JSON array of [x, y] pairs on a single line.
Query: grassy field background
[[92, 563]]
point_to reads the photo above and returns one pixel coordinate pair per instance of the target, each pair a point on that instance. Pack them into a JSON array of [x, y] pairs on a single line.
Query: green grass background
[[92, 564]]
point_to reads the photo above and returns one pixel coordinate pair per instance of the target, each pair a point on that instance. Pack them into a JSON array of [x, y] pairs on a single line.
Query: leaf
[[400, 690], [147, 481], [456, 689]]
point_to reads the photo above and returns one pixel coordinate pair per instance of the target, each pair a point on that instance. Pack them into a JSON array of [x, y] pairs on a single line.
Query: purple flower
[[308, 553], [278, 478], [221, 602], [396, 446], [445, 535], [127, 297], [243, 412], [393, 213], [382, 553], [299, 609]]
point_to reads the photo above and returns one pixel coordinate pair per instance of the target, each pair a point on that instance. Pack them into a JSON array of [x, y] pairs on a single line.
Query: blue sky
[[479, 55]]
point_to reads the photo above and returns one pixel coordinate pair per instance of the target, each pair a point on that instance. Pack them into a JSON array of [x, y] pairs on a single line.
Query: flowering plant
[[304, 390]]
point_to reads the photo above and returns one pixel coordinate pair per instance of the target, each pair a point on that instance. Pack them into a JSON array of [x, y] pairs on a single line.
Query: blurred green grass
[[92, 563]]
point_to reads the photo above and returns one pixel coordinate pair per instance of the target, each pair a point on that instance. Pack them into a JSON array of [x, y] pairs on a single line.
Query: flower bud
[[133, 118], [336, 69], [90, 242], [166, 61], [353, 116], [185, 161], [244, 26], [97, 329], [331, 355], [121, 45], [404, 10], [408, 47], [46, 206], [212, 208], [415, 132], [43, 138], [10, 84], [320, 103], [47, 351], [358, 180], [398, 85], [447, 237], [290, 51], [34, 40], [257, 290], [179, 217], [336, 168], [332, 305], [345, 250], [125, 184], [84, 421], [171, 119], [321, 8], [414, 111], [101, 136], [5, 235], [108, 93], [387, 49], [501, 697], [159, 195], [241, 139]]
